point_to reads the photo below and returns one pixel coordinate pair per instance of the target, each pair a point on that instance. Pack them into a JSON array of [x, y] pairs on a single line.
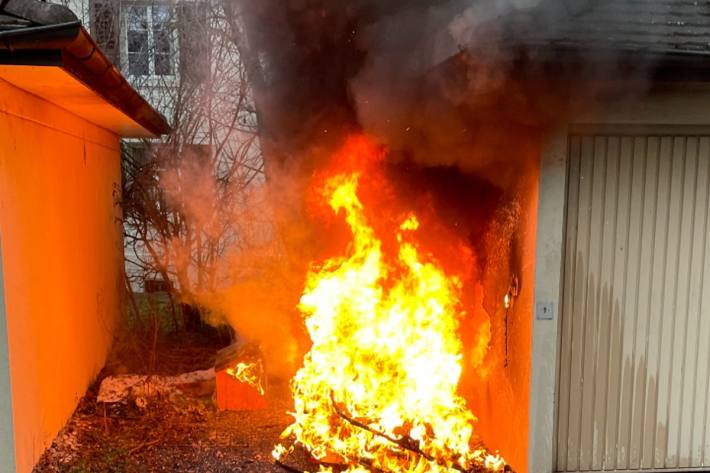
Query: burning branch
[[406, 442], [283, 452], [286, 467]]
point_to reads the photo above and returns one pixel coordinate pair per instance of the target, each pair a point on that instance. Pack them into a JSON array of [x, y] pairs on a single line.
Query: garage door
[[634, 368]]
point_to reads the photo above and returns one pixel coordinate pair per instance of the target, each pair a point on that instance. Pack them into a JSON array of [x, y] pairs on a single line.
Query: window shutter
[[105, 23], [194, 41]]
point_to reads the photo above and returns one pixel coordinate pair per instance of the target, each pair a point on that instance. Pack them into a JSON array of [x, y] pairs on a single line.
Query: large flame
[[378, 388]]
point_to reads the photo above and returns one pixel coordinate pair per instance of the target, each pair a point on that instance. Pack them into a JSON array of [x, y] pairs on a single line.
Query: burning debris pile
[[378, 388]]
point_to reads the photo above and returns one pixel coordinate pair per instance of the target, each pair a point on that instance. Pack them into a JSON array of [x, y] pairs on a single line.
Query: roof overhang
[[56, 85], [62, 64]]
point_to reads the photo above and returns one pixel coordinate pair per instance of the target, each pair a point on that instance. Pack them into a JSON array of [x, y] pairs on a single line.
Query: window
[[149, 40]]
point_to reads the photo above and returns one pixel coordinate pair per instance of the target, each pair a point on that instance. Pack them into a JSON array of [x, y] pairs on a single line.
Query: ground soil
[[183, 435]]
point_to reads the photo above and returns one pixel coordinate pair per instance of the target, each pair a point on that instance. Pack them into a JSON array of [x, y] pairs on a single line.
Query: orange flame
[[378, 388]]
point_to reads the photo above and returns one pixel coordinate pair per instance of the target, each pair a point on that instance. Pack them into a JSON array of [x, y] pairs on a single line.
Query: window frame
[[151, 79]]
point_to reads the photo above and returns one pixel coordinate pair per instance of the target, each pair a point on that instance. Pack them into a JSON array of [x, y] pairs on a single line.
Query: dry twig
[[144, 445]]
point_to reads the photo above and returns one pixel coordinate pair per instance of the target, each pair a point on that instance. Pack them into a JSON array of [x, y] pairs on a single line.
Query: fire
[[378, 388], [248, 373]]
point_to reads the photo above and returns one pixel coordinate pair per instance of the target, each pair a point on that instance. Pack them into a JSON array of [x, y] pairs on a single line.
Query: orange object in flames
[[233, 394], [378, 388], [240, 378]]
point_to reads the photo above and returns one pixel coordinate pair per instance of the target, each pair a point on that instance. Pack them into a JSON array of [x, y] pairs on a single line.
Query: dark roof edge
[[663, 65], [83, 59]]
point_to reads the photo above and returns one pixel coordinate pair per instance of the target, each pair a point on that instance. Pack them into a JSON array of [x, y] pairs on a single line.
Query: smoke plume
[[461, 92]]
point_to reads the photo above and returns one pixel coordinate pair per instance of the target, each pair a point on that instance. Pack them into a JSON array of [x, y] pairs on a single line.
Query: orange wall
[[501, 401], [61, 255]]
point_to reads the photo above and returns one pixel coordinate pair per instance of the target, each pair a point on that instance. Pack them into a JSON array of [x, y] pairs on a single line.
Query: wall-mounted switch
[[544, 310]]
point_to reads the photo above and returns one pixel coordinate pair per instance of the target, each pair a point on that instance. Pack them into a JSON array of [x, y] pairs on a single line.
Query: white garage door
[[634, 373]]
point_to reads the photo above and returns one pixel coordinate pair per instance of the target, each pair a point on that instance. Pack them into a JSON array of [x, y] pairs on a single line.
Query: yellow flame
[[385, 355], [248, 373]]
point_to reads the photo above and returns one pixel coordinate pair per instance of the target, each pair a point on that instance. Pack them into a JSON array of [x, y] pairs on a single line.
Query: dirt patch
[[184, 434]]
